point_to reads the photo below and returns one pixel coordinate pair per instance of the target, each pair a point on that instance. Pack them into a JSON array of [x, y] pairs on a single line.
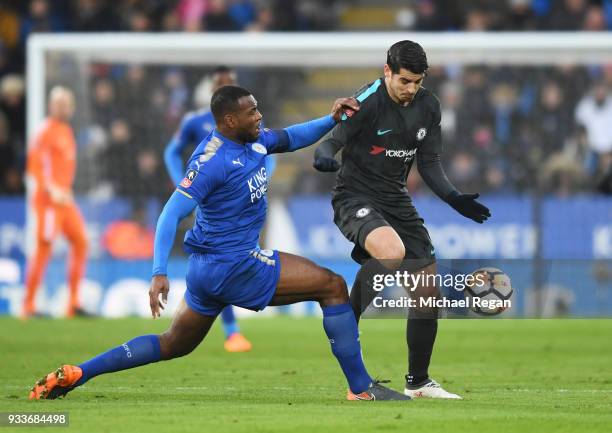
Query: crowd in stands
[[507, 129]]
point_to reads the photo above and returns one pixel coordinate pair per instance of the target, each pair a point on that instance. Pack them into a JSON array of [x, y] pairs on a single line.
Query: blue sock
[[230, 326], [341, 329], [136, 352]]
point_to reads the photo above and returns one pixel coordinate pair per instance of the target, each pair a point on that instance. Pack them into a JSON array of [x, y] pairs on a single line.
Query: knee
[[336, 291], [172, 346], [392, 255]]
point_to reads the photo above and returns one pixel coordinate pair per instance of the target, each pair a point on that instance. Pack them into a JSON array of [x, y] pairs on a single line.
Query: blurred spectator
[[190, 14], [10, 28], [477, 20], [520, 16], [503, 100], [41, 18], [218, 18], [93, 16], [553, 117], [130, 239], [561, 175], [428, 17], [10, 176], [119, 160], [104, 106], [178, 94], [12, 104], [451, 104], [594, 113], [464, 170], [568, 16], [594, 20], [138, 21]]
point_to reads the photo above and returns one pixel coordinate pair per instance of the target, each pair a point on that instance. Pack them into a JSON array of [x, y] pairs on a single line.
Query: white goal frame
[[307, 50]]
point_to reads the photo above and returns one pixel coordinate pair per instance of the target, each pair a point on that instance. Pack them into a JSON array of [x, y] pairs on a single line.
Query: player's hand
[[159, 286], [342, 106], [326, 164], [467, 206], [59, 195]]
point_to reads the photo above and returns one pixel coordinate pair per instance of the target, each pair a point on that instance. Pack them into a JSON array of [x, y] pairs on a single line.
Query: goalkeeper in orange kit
[[52, 165]]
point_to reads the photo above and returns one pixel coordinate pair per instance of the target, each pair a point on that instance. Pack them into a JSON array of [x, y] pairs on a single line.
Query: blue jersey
[[195, 127], [229, 182]]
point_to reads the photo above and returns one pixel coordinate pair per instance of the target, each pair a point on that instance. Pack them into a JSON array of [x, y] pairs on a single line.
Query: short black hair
[[222, 69], [408, 55], [225, 100]]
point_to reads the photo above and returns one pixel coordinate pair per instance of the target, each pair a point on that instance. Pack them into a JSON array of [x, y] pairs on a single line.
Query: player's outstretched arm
[[177, 208], [324, 157], [431, 171], [173, 160], [308, 133]]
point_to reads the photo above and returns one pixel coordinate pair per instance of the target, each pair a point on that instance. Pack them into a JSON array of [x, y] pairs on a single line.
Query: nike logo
[[237, 162], [379, 132]]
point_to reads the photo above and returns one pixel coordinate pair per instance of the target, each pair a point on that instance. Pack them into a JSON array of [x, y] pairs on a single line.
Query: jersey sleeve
[[184, 135], [274, 140], [202, 178], [349, 127], [432, 143]]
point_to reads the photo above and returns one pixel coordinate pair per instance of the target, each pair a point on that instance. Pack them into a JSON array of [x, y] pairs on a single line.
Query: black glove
[[325, 163], [467, 206]]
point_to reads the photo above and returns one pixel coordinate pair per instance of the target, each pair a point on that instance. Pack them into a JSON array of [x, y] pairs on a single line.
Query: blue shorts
[[247, 280]]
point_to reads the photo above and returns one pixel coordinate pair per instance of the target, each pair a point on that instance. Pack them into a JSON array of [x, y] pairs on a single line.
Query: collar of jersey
[[226, 140]]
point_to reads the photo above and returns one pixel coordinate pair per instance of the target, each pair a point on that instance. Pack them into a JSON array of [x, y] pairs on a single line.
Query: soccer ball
[[491, 292]]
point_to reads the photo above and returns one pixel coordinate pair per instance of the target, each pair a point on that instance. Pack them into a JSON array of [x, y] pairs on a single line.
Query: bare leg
[[303, 280], [186, 332]]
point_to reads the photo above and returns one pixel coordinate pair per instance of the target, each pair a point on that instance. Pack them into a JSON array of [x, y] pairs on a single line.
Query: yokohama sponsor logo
[[400, 153], [391, 153]]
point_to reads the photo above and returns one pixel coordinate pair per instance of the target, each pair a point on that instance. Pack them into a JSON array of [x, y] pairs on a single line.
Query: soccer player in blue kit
[[194, 128], [227, 181]]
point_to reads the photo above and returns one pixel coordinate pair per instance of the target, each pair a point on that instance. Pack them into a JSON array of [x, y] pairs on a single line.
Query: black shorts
[[356, 217]]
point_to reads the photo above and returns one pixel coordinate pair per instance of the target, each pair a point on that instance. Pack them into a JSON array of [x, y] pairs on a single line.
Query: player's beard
[[247, 136]]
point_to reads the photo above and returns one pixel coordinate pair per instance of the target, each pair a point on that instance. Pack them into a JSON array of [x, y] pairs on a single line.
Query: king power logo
[[258, 184]]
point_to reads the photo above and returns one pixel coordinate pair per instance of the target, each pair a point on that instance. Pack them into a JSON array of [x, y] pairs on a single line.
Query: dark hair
[[408, 55], [222, 69], [225, 100]]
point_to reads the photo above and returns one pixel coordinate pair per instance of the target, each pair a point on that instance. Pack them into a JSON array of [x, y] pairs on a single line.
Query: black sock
[[362, 292], [420, 336]]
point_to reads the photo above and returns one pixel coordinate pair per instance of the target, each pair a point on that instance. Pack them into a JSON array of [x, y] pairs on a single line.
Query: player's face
[[248, 119], [61, 105], [404, 85]]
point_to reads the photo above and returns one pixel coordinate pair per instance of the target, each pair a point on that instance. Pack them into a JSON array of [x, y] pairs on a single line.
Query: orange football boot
[[56, 384], [237, 343]]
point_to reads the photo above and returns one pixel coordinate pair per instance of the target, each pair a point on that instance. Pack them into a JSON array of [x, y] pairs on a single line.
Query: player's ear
[[230, 120], [387, 71]]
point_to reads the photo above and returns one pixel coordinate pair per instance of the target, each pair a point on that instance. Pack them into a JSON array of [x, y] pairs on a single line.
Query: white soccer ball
[[491, 292]]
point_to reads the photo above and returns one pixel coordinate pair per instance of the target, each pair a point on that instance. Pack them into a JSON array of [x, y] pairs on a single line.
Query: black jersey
[[381, 141]]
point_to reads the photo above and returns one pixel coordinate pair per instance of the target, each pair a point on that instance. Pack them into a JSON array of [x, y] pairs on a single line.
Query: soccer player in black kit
[[398, 122]]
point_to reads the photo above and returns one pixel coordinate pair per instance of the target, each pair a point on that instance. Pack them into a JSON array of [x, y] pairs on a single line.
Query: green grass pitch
[[515, 375]]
